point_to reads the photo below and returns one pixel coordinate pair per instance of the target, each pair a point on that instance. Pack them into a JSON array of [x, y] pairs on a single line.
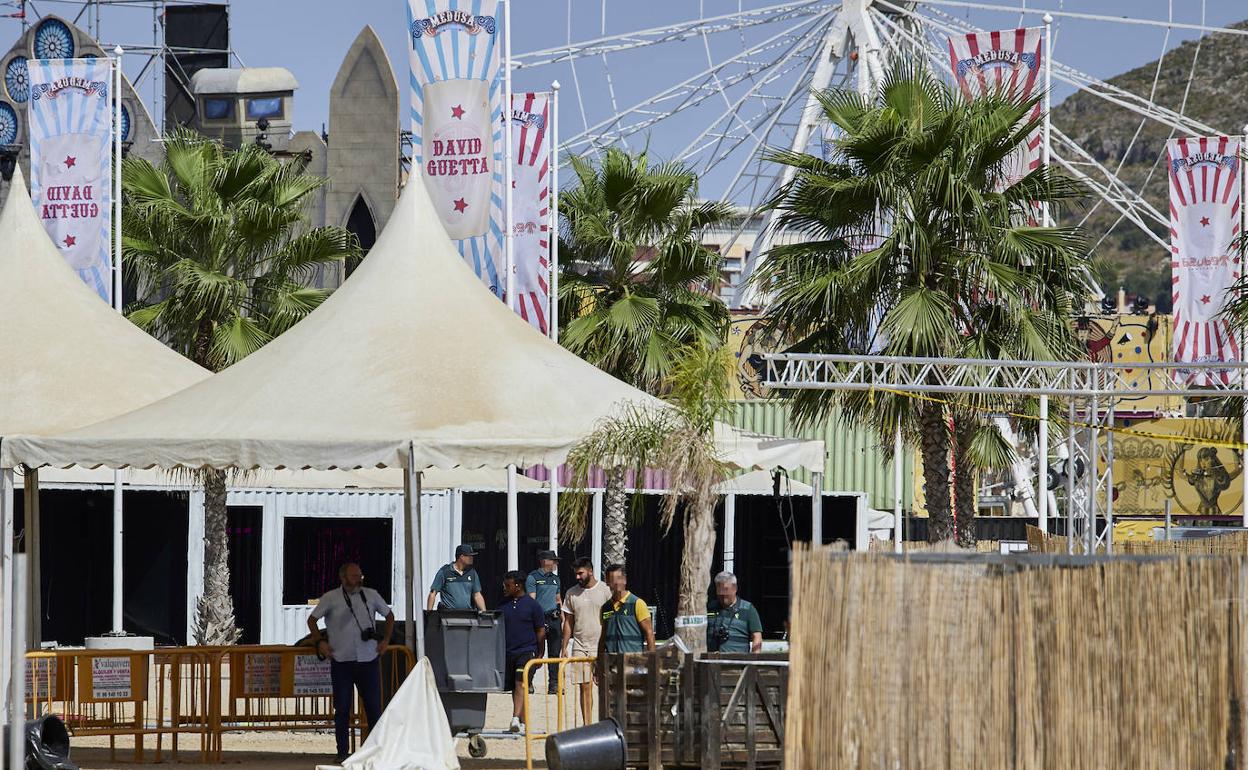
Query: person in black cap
[[457, 584], [543, 585]]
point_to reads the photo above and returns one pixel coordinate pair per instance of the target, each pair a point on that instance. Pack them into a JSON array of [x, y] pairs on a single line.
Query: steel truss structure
[[1092, 393], [754, 94]]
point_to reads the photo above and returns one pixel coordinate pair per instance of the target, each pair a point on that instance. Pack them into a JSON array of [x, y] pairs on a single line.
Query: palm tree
[[679, 443], [637, 283], [207, 237], [916, 243]]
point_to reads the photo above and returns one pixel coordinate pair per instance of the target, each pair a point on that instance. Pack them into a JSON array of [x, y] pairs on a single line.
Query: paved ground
[[303, 751]]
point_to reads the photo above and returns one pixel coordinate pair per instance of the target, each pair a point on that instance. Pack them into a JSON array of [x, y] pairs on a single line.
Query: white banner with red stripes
[[1006, 61], [530, 205], [1204, 221]]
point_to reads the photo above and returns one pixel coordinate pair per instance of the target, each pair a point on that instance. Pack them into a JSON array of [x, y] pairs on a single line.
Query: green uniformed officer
[[543, 585], [457, 584], [626, 622], [732, 623]]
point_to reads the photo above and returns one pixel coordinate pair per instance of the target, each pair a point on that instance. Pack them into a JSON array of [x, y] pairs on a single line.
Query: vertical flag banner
[[1009, 61], [71, 129], [456, 113], [530, 120], [1204, 220]]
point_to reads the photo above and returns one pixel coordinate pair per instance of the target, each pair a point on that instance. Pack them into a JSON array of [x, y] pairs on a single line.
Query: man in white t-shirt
[[582, 626], [353, 647]]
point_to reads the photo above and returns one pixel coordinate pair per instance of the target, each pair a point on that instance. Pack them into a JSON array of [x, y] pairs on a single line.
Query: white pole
[[119, 304], [1048, 102], [17, 701], [415, 526], [1042, 469], [898, 469], [595, 533], [508, 172], [554, 212], [730, 530], [513, 521], [816, 508], [553, 513], [6, 569]]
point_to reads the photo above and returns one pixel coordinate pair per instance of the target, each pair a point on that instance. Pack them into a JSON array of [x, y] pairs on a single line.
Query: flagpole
[[553, 283], [510, 277], [1048, 101], [118, 303]]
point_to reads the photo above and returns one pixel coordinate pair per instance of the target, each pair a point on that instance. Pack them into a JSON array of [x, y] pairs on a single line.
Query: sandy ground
[[305, 750]]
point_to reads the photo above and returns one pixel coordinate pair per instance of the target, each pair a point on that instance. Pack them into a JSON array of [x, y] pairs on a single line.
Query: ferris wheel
[[748, 71]]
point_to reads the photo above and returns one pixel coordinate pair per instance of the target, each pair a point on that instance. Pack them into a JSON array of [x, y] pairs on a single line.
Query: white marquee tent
[[412, 363]]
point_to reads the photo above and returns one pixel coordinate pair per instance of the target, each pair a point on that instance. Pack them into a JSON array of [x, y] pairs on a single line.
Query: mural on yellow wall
[[1200, 478], [749, 342], [1128, 339]]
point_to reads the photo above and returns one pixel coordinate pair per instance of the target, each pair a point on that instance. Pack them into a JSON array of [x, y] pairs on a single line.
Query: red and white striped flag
[[530, 123], [1204, 220], [1008, 61]]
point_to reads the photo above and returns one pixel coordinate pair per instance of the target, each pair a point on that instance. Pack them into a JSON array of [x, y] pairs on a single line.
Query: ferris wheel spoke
[[610, 44], [697, 85], [1059, 13]]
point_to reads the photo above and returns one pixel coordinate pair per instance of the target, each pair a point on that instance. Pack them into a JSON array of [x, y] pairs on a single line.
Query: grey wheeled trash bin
[[467, 652]]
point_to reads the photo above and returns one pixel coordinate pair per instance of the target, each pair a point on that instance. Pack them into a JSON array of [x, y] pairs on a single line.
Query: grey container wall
[[466, 649], [854, 461]]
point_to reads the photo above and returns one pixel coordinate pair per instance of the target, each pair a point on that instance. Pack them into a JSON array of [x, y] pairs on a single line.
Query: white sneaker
[[516, 725]]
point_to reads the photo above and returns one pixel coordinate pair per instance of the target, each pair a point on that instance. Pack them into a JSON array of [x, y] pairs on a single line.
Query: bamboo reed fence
[[922, 546], [1234, 543], [1025, 662]]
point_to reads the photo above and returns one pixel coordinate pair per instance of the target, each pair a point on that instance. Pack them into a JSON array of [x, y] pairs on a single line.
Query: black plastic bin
[[599, 746]]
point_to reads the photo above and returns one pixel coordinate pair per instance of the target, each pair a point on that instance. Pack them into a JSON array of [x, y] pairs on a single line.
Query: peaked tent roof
[[412, 351], [69, 359]]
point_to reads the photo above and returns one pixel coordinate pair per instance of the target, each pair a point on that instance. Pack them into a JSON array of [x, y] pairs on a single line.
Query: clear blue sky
[[310, 37]]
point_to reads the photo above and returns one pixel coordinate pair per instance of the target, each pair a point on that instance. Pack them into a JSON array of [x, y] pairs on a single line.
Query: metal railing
[[561, 711]]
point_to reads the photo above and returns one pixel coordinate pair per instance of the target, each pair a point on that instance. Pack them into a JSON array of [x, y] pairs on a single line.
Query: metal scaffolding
[[1091, 392]]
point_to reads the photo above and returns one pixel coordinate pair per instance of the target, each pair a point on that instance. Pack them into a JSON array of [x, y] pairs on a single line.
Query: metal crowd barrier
[[204, 691], [567, 703]]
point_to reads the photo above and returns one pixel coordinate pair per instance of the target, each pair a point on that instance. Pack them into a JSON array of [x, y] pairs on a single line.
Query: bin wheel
[[476, 746]]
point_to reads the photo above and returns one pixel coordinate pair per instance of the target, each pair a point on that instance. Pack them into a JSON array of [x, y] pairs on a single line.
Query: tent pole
[[730, 530], [414, 536], [509, 279], [6, 584], [513, 521], [816, 508], [409, 579], [118, 531], [17, 696], [34, 539], [119, 304], [553, 513]]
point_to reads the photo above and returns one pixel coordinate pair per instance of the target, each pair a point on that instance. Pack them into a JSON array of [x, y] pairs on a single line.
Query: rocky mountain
[[1218, 96]]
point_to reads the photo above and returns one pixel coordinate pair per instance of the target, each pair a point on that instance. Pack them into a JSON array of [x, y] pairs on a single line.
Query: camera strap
[[351, 607]]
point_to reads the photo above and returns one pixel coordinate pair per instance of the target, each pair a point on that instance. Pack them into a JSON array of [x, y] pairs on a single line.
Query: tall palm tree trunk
[[214, 612], [964, 497], [615, 518], [934, 444], [695, 572]]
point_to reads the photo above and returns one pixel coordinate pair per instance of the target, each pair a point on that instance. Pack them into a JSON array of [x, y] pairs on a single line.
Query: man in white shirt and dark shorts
[[353, 647], [582, 626]]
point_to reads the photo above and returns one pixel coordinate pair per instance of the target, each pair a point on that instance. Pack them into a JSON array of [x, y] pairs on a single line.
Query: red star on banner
[[70, 241], [70, 161], [1204, 221], [457, 112], [461, 205], [1205, 300]]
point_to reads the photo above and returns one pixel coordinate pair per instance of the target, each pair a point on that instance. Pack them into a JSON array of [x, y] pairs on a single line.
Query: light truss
[[1091, 391]]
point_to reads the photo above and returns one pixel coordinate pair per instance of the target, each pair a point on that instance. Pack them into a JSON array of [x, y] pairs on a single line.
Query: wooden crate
[[719, 711]]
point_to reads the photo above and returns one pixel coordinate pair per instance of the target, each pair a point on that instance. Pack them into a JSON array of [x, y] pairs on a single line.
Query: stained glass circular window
[[125, 122], [54, 40], [17, 80], [8, 124]]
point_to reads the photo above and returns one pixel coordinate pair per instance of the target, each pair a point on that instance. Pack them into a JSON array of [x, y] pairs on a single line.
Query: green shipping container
[[855, 460]]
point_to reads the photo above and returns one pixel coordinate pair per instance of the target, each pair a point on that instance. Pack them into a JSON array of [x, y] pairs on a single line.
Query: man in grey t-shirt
[[353, 647]]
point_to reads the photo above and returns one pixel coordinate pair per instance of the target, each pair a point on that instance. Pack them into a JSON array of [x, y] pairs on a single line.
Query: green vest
[[620, 627], [736, 622]]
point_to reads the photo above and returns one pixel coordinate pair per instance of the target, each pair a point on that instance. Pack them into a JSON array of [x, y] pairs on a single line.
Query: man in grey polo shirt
[[353, 647], [457, 584]]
